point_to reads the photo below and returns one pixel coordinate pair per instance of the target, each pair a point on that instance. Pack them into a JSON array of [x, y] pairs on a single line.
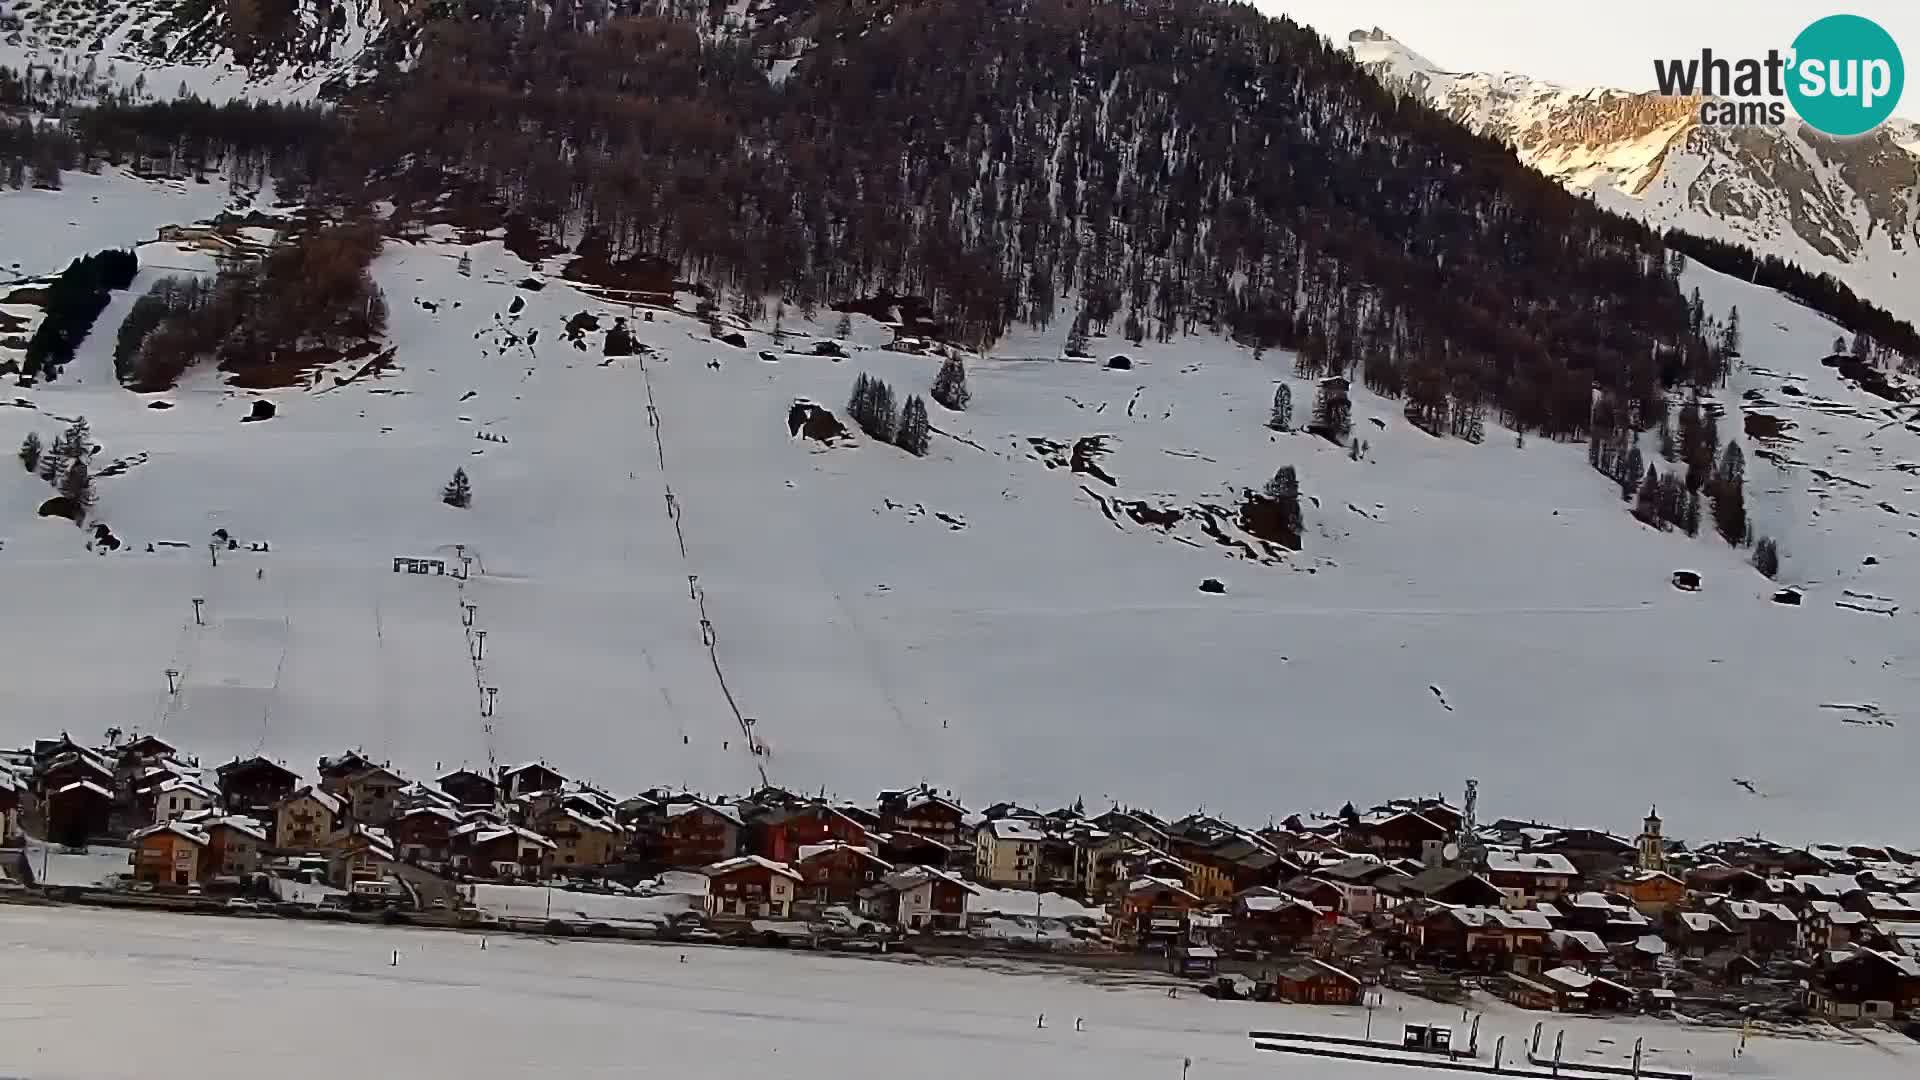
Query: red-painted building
[[782, 838], [692, 834], [921, 810], [836, 873], [751, 887]]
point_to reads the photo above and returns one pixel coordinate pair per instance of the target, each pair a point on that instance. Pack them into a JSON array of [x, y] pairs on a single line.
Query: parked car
[[143, 886], [241, 904]]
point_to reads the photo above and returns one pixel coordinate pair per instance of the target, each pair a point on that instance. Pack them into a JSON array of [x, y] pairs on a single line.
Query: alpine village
[[1416, 894]]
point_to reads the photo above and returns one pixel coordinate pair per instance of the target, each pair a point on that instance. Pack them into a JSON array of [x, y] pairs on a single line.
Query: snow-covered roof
[[1310, 966], [1153, 884], [913, 876], [1834, 885], [1702, 923], [1905, 965], [589, 821], [215, 819], [1585, 939], [86, 785], [183, 786], [528, 765], [1885, 904], [1638, 877], [329, 801], [1569, 978], [811, 851], [1747, 911], [177, 828], [682, 809], [744, 862], [1501, 918], [1014, 829], [1532, 864]]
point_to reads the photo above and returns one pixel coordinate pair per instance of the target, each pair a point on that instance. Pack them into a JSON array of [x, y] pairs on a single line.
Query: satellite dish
[[1450, 852]]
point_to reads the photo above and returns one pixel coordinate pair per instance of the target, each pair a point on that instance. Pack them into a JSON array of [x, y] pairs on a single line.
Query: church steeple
[[1653, 849]]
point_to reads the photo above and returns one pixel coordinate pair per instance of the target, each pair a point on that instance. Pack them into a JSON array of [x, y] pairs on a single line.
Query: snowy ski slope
[[525, 1007], [975, 618]]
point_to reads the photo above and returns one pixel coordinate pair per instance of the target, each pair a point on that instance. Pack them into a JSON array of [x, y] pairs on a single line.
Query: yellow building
[[306, 819], [1007, 852]]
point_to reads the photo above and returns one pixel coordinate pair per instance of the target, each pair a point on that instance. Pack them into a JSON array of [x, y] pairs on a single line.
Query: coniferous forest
[[1129, 167]]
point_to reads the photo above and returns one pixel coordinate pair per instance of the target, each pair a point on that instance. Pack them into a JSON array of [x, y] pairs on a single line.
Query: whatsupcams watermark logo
[[1843, 76]]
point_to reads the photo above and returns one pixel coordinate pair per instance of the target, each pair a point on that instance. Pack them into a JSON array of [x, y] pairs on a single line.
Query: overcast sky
[[1597, 44]]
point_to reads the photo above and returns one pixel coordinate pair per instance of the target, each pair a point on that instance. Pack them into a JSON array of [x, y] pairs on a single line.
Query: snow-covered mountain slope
[[1847, 207], [215, 49], [987, 617]]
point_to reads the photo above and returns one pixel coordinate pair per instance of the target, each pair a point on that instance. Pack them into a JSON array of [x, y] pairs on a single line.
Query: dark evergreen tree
[[1283, 489], [1077, 335], [1630, 472], [1690, 512], [1332, 412], [1731, 338], [77, 485], [1281, 419], [1729, 496], [459, 491], [30, 451], [872, 407], [914, 434], [950, 385], [1646, 504], [1766, 556], [844, 328]]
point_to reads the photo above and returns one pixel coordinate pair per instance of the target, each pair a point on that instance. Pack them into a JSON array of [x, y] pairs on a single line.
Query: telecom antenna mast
[[1473, 854]]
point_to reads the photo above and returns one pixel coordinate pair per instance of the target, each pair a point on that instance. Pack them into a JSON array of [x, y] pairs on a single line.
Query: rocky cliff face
[[1847, 207]]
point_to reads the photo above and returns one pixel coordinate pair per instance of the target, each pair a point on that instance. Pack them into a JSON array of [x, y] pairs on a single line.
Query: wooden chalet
[[1868, 985], [920, 898], [750, 887], [254, 786], [837, 873], [926, 812], [469, 788], [1314, 982]]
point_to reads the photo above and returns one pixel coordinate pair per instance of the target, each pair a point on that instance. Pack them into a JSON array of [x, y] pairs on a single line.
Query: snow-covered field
[[975, 618], [521, 902], [100, 995], [95, 867]]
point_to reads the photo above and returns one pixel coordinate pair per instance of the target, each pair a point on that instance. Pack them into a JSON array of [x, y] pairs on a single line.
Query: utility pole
[[466, 613], [480, 650], [173, 683], [487, 709], [198, 601]]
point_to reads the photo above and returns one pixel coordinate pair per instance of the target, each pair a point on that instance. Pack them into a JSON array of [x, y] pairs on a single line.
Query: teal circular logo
[[1847, 75]]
